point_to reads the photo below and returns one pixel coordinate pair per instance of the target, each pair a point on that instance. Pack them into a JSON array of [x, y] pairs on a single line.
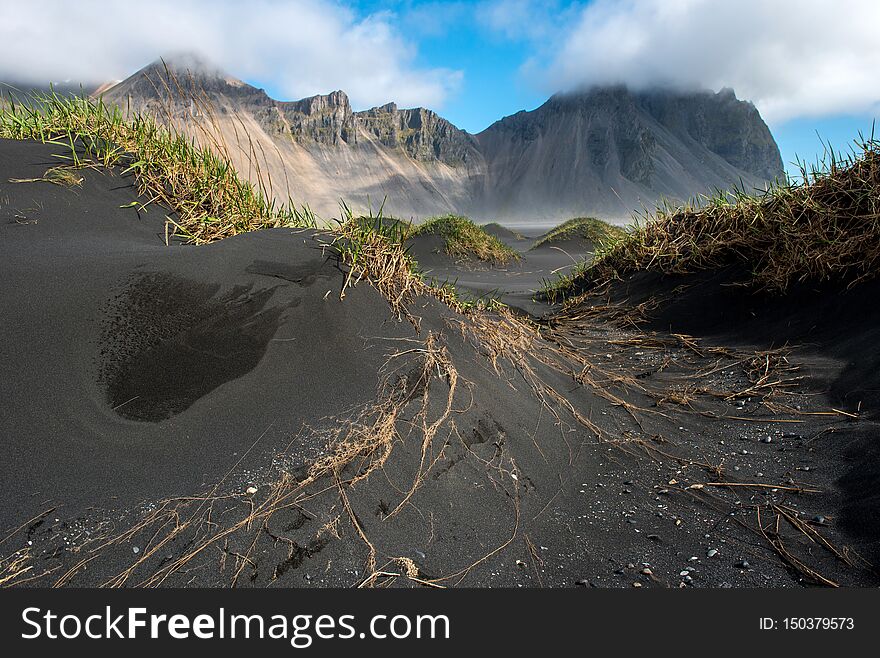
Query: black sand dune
[[515, 284], [133, 370], [511, 238], [163, 404], [570, 245]]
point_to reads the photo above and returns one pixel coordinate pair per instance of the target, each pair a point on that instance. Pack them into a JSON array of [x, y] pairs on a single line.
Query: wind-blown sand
[[162, 403]]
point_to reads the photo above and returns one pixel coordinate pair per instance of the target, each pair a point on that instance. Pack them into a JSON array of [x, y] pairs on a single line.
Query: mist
[[790, 57], [301, 48]]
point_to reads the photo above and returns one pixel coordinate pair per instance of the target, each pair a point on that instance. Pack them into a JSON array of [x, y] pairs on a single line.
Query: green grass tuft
[[464, 239], [516, 235], [825, 226], [598, 232], [372, 246], [208, 198]]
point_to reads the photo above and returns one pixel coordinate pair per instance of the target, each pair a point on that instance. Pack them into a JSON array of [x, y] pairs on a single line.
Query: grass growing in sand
[[825, 227], [464, 239], [603, 236], [372, 247], [209, 199], [63, 175], [590, 229], [495, 226]]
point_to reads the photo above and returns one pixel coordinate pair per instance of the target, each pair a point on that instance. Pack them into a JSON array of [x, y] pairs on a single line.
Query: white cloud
[[516, 19], [300, 47], [790, 57]]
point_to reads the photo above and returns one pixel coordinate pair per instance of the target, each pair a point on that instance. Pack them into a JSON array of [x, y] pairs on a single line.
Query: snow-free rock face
[[608, 150], [605, 151]]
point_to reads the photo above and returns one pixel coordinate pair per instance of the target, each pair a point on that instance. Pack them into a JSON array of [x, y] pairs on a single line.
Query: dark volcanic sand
[[212, 347], [514, 284], [133, 372], [834, 333]]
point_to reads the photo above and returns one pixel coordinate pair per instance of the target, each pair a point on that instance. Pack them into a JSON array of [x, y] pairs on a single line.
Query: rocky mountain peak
[[617, 118], [601, 151], [421, 133], [335, 101]]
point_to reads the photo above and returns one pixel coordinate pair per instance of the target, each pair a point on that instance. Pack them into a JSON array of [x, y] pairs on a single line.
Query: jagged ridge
[[603, 151]]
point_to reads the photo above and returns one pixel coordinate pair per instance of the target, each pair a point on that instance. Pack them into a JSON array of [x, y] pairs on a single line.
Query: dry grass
[[465, 240], [14, 568], [208, 199], [825, 228], [371, 247], [62, 175], [356, 448]]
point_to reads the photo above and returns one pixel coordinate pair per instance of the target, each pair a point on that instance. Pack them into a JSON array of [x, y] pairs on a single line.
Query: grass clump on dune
[[464, 239], [589, 229], [198, 184], [826, 227], [372, 247], [208, 199], [496, 228]]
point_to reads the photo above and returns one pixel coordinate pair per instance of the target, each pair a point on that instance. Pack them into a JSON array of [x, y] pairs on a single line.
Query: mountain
[[316, 150], [608, 150], [604, 151]]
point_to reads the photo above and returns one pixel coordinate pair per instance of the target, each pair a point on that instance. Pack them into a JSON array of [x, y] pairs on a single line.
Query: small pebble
[[711, 552]]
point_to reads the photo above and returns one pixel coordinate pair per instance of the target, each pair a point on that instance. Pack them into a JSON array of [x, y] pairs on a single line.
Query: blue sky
[[807, 138], [495, 79], [812, 67]]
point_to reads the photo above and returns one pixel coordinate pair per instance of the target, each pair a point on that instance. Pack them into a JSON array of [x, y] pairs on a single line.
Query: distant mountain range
[[604, 151]]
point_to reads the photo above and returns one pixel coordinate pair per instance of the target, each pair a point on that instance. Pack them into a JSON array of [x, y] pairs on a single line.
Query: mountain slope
[[316, 150], [609, 150], [606, 151]]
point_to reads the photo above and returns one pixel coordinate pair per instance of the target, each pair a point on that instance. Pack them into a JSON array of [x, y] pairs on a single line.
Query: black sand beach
[[163, 405]]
